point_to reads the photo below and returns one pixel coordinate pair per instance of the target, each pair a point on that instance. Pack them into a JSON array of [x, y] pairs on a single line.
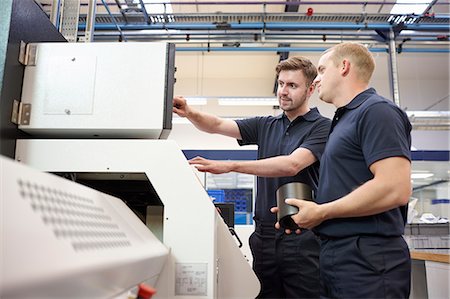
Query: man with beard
[[289, 149]]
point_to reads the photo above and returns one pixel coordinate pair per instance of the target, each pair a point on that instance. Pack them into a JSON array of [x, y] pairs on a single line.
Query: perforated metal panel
[[61, 239], [73, 218], [69, 19]]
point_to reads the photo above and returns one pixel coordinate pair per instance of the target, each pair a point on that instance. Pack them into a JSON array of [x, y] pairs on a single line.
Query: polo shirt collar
[[312, 115], [360, 98]]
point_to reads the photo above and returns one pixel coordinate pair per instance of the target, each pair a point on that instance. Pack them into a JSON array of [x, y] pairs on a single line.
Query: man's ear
[[345, 67], [311, 89]]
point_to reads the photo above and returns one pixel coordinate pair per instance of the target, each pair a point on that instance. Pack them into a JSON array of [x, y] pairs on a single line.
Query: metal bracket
[[27, 53], [21, 113]]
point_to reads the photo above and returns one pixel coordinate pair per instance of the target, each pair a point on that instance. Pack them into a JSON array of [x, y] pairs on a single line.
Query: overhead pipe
[[287, 36], [293, 49], [425, 50], [290, 34], [262, 49], [393, 74], [432, 38], [195, 40], [285, 3], [266, 26], [250, 36]]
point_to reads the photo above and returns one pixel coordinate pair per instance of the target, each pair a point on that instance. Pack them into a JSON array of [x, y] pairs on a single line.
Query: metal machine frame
[[204, 258]]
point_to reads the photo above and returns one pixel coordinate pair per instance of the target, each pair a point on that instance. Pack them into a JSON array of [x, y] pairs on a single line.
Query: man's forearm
[[369, 199], [280, 166], [203, 121], [213, 124], [373, 197]]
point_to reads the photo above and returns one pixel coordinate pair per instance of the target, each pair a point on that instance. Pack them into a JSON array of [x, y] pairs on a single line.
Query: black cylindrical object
[[285, 211]]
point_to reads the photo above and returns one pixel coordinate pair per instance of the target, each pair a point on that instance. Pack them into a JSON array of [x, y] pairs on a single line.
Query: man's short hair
[[358, 55], [296, 63]]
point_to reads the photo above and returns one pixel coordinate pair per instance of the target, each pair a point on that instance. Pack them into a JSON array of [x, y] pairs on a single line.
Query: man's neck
[[291, 115], [349, 94]]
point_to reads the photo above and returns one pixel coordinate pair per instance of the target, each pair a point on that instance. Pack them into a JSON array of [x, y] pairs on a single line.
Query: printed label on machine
[[191, 279]]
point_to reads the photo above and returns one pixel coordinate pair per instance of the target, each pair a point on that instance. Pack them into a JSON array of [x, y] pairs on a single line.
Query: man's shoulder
[[259, 120], [377, 107], [315, 116], [322, 121], [379, 102], [264, 117]]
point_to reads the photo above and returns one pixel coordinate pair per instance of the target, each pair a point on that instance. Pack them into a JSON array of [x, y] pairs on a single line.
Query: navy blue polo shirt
[[276, 135], [368, 129]]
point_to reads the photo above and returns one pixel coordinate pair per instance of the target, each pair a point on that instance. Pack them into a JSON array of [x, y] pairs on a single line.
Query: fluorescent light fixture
[[196, 101], [180, 120], [405, 7], [158, 8], [183, 120], [429, 114], [421, 175], [429, 120], [251, 101]]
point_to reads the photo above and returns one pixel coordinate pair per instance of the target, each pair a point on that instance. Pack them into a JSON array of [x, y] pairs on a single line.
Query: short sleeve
[[317, 137], [384, 131], [249, 129]]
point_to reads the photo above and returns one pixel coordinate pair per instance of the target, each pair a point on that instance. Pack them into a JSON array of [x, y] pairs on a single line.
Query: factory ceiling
[[267, 25], [275, 29]]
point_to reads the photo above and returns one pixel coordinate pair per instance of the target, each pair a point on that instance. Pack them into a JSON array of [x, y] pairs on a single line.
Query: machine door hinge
[[27, 54], [21, 113]]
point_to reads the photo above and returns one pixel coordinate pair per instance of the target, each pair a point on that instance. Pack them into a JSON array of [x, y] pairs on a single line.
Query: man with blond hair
[[364, 187]]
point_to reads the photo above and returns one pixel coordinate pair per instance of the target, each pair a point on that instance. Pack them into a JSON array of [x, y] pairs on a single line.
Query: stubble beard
[[291, 106]]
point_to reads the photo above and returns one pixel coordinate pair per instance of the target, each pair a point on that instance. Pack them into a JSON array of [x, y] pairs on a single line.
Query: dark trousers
[[365, 267], [287, 266]]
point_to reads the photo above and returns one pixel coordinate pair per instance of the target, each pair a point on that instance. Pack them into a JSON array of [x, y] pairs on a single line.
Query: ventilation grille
[[73, 218]]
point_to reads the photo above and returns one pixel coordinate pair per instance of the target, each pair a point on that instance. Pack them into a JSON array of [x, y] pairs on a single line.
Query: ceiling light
[[180, 120], [238, 101], [421, 175], [196, 101], [426, 120], [156, 8], [406, 7]]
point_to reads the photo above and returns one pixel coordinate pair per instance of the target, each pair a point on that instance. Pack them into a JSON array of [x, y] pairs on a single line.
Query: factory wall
[[423, 84]]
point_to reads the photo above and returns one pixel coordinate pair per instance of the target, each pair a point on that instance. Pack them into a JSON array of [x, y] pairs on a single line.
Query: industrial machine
[[149, 174], [61, 239], [97, 90]]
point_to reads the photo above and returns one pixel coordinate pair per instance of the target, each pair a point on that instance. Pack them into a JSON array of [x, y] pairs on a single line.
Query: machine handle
[[233, 233]]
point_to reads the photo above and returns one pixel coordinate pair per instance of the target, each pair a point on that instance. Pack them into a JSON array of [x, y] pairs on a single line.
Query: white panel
[[190, 219], [60, 239], [244, 232], [190, 138], [108, 90], [438, 280], [64, 96], [234, 271]]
